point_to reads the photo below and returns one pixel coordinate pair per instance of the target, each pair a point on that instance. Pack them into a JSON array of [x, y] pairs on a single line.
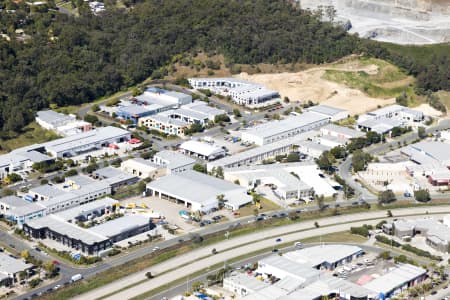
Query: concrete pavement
[[250, 242]]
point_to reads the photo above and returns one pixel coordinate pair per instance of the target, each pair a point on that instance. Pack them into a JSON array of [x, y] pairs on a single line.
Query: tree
[[321, 202], [293, 157], [422, 195], [25, 254], [149, 275], [71, 172], [386, 255], [338, 152], [50, 268], [12, 178], [199, 168], [421, 132], [325, 160], [286, 99], [95, 108], [360, 160], [237, 113], [91, 119], [386, 197]]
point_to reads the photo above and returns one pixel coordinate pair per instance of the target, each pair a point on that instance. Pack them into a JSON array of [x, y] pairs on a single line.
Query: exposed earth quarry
[[397, 21]]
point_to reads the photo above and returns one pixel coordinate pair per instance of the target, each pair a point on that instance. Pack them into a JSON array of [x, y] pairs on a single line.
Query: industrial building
[[62, 228], [242, 92], [152, 101], [341, 132], [163, 123], [202, 150], [289, 127], [333, 113], [142, 168], [257, 155], [62, 124], [198, 191], [22, 159], [436, 233], [325, 257], [10, 268], [283, 183], [115, 178], [384, 119], [173, 161], [86, 141], [300, 275]]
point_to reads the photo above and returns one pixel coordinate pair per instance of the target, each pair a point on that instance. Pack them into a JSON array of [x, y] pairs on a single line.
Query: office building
[[62, 124], [334, 114], [173, 161]]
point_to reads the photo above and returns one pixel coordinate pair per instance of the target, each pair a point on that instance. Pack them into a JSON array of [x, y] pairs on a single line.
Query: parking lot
[[171, 211]]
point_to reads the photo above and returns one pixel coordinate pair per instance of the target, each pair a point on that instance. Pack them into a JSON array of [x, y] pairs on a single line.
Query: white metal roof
[[201, 148], [119, 225], [324, 253]]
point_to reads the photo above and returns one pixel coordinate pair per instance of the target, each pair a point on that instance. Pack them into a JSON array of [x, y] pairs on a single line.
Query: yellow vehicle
[[131, 205]]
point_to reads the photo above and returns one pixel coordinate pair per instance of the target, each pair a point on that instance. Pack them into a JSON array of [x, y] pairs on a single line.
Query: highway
[[198, 259]]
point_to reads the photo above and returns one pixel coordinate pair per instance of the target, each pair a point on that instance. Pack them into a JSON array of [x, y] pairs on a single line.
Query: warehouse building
[[396, 281], [62, 124], [9, 203], [86, 142], [199, 191], [341, 132], [242, 92], [142, 168], [115, 178], [202, 150], [89, 241], [325, 257], [22, 159], [135, 112], [428, 153], [437, 234], [283, 183], [397, 112], [334, 114], [10, 268], [380, 125], [257, 155], [289, 127], [173, 161]]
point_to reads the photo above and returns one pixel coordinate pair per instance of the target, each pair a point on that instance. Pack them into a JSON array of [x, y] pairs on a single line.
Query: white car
[[57, 287], [155, 249]]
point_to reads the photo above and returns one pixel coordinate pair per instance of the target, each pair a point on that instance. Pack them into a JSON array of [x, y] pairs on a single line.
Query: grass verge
[[32, 134]]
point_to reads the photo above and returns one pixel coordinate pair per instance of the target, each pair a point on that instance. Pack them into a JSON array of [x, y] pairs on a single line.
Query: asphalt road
[[200, 258]]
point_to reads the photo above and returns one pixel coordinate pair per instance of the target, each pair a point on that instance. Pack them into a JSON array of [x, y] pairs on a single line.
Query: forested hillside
[[71, 60]]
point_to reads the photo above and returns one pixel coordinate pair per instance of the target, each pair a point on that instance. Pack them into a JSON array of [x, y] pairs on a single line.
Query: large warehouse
[[273, 131], [202, 150], [86, 141], [198, 191]]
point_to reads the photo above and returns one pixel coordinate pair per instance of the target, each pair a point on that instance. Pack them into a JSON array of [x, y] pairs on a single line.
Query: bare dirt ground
[[309, 85], [428, 110]]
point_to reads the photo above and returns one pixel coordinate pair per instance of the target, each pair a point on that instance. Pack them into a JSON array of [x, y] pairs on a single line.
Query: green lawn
[[33, 134]]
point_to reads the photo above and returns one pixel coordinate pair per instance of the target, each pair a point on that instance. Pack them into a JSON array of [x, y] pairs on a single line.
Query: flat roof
[[57, 224], [242, 156], [304, 271], [437, 150], [120, 225], [289, 123], [85, 138], [12, 265], [175, 159], [80, 180], [51, 116], [324, 253], [325, 109], [28, 209], [201, 148], [74, 212], [14, 201], [246, 280], [135, 109], [46, 191], [395, 278], [164, 118], [196, 187], [343, 130], [202, 107]]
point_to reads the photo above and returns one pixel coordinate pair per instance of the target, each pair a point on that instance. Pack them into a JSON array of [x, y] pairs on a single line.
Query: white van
[[298, 244]]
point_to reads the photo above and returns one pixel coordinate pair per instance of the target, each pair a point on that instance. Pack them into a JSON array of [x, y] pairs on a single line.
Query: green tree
[[293, 157], [422, 195], [386, 197], [13, 178], [95, 108], [199, 168], [325, 160], [360, 160], [237, 113], [421, 132]]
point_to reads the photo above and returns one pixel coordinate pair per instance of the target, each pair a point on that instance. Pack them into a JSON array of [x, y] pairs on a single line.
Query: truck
[[76, 277]]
